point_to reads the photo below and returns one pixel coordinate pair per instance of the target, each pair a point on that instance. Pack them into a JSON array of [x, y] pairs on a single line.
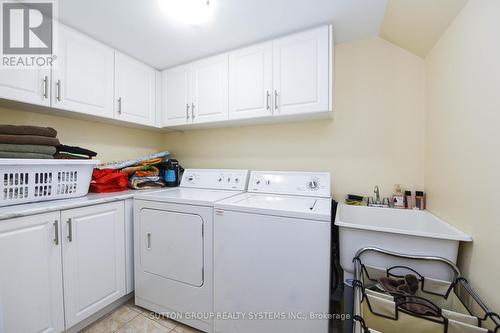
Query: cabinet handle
[[70, 230], [46, 87], [187, 111], [192, 110], [119, 105], [148, 236], [56, 232], [58, 90], [276, 99], [268, 99]]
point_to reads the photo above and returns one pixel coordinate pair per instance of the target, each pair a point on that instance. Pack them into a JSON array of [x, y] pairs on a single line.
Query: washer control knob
[[268, 182], [313, 184], [228, 179], [236, 180], [220, 179]]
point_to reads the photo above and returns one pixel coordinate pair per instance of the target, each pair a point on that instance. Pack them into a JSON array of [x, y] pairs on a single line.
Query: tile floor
[[130, 318]]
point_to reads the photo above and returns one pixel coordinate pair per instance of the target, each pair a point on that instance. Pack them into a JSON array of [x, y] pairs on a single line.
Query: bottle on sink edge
[[408, 200], [398, 198], [419, 200]]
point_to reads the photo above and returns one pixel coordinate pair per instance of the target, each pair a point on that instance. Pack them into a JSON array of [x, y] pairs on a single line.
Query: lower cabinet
[[93, 259], [31, 286], [57, 269]]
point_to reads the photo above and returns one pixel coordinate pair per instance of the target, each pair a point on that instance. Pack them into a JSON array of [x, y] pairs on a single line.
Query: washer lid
[[194, 196], [311, 208]]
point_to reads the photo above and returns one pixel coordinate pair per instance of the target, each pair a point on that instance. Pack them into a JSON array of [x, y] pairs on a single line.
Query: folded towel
[[49, 150], [28, 130], [68, 156], [131, 170], [76, 150], [148, 171], [127, 163], [12, 154], [142, 171], [152, 161], [142, 183], [29, 140]]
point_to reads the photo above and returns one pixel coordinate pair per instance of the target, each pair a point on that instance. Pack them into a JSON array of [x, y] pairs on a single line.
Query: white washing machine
[[173, 232], [272, 255]]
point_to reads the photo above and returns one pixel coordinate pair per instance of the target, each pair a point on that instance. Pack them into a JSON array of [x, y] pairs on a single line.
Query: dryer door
[[172, 245]]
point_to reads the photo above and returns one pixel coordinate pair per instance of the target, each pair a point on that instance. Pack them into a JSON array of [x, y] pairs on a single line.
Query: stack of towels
[[74, 153], [27, 142]]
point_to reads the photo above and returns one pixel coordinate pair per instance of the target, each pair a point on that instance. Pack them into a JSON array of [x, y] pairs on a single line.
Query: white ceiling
[[140, 29], [403, 22]]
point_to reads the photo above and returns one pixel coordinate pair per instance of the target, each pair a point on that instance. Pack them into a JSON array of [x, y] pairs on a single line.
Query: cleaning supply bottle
[[408, 200], [398, 198], [419, 200]]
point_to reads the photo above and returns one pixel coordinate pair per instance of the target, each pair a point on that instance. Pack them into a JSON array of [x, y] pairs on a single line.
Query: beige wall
[[109, 141], [375, 137], [462, 168]]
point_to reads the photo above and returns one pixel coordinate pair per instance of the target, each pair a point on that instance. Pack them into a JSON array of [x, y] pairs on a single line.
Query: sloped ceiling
[[416, 25], [141, 29]]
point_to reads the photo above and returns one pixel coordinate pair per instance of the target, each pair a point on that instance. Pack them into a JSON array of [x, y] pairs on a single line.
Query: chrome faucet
[[377, 195], [377, 202]]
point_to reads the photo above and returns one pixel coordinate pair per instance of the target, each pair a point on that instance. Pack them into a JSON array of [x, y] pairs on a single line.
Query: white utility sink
[[404, 231]]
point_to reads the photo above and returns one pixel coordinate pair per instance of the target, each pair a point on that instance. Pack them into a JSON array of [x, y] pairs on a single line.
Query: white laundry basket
[[31, 180]]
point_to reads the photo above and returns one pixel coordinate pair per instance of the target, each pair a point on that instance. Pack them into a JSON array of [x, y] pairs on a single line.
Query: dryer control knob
[[236, 180], [313, 185], [190, 179], [268, 182], [258, 182]]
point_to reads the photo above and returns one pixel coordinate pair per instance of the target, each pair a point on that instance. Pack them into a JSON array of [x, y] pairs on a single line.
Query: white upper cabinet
[[26, 85], [290, 76], [134, 91], [250, 81], [196, 93], [210, 89], [176, 91], [93, 259], [83, 76], [302, 72], [31, 274]]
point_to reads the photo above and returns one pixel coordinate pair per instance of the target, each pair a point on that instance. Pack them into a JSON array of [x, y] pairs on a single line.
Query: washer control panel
[[316, 184], [221, 179]]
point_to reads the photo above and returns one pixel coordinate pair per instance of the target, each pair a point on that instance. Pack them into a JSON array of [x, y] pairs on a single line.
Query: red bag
[[108, 181]]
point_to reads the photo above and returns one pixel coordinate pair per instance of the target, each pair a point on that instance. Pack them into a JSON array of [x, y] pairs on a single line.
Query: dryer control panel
[[220, 179], [314, 184]]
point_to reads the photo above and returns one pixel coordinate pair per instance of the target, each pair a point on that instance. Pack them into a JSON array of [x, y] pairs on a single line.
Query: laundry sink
[[404, 231]]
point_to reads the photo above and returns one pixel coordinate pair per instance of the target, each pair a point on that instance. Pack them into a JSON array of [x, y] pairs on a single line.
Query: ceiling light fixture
[[189, 11]]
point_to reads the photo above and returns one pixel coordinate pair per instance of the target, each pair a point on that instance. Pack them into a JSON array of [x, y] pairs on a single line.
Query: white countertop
[[8, 212]]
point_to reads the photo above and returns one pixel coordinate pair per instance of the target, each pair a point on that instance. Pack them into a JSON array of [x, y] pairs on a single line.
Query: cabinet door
[[210, 89], [83, 78], [25, 85], [93, 259], [176, 85], [134, 90], [31, 274], [301, 71], [251, 81]]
